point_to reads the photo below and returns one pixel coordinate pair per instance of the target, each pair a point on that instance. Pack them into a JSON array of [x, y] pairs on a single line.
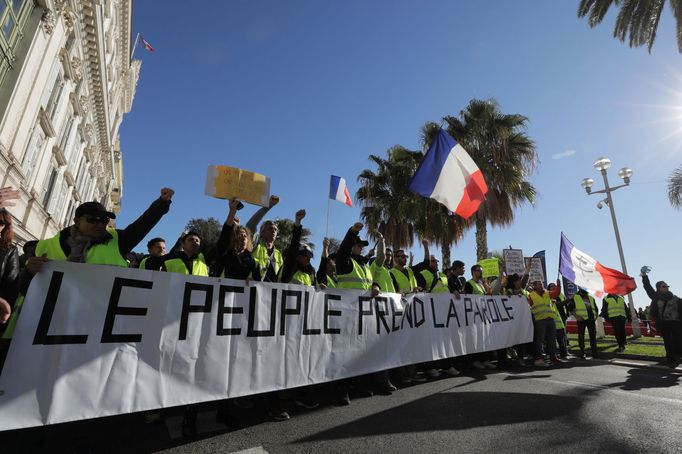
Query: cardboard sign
[[226, 182], [535, 269], [491, 267], [513, 262]]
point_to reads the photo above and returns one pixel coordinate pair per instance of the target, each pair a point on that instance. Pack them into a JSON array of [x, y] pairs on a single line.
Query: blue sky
[[299, 90]]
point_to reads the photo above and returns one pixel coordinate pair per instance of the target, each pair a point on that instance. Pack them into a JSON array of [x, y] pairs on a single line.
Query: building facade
[[66, 80]]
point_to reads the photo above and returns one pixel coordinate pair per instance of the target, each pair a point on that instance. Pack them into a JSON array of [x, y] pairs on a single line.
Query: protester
[[456, 281], [29, 251], [9, 260], [515, 285], [433, 281], [89, 240], [379, 268], [584, 308], [268, 258], [326, 272], [615, 311], [666, 312], [544, 326], [404, 276], [353, 272], [156, 247], [9, 272], [296, 268], [559, 326], [233, 257], [478, 286], [189, 261]]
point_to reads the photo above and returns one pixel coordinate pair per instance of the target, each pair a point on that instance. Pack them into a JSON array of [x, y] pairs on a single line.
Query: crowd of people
[[239, 254]]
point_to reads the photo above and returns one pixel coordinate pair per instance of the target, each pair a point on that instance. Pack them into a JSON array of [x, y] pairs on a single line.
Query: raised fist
[[357, 227], [167, 194], [274, 200], [300, 214]]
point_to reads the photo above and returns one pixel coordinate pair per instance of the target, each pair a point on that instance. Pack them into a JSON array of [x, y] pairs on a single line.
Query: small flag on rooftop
[[146, 44]]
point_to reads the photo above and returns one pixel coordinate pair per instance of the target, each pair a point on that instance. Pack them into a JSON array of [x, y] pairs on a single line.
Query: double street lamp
[[603, 164]]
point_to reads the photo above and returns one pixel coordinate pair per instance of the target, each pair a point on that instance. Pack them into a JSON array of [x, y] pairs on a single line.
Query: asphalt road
[[585, 406]]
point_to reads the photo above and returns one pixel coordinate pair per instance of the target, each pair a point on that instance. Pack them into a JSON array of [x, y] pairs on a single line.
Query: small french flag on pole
[[339, 191], [146, 44], [449, 175]]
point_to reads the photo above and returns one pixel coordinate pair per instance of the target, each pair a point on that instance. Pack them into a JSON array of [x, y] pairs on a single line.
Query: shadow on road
[[457, 411], [640, 378]]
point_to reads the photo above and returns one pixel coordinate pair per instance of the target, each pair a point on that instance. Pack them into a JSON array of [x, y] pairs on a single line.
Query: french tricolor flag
[[339, 191], [586, 272], [449, 175]]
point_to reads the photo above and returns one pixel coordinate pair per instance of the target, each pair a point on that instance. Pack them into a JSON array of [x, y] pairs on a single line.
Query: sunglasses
[[3, 222], [96, 219]]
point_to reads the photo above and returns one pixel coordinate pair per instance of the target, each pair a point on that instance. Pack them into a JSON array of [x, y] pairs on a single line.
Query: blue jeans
[[545, 330]]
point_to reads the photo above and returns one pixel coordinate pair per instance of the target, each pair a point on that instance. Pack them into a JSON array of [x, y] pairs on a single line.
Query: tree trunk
[[446, 257], [481, 238]]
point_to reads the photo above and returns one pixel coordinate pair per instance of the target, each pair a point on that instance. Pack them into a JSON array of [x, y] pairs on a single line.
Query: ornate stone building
[[66, 80]]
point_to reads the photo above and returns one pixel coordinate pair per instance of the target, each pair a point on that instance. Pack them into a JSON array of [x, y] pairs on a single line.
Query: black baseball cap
[[93, 209], [360, 241]]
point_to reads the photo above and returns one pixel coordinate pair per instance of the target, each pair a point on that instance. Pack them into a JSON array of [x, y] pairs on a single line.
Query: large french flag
[[339, 191], [449, 175], [586, 272]]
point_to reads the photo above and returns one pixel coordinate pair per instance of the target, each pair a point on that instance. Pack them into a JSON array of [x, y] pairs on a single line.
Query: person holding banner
[[380, 265], [584, 308], [478, 286], [89, 240], [516, 285], [433, 281], [615, 311], [540, 301], [297, 268], [326, 272], [268, 258], [354, 272], [456, 281], [404, 276], [156, 247]]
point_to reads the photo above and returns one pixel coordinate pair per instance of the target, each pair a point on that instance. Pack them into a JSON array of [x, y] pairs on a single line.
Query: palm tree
[[637, 19], [387, 204], [285, 229], [675, 188], [499, 145]]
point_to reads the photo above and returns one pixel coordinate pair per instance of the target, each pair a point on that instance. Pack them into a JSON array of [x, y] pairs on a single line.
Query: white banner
[[97, 340]]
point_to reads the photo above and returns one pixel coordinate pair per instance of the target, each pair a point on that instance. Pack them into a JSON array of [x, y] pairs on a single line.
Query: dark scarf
[[81, 244]]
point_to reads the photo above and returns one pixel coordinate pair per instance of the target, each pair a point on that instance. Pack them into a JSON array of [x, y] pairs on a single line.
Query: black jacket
[[9, 274], [128, 238]]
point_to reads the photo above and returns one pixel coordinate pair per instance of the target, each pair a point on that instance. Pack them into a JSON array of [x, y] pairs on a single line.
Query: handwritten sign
[[535, 269], [491, 267], [226, 182], [513, 261]]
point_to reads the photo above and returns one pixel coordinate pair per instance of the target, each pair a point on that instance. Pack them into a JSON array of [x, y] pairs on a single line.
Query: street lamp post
[[602, 164]]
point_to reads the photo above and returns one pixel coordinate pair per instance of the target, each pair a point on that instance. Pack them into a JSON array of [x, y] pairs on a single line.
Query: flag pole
[[326, 232], [132, 54]]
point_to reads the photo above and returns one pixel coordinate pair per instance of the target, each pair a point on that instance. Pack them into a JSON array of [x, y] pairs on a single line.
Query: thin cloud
[[565, 154]]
